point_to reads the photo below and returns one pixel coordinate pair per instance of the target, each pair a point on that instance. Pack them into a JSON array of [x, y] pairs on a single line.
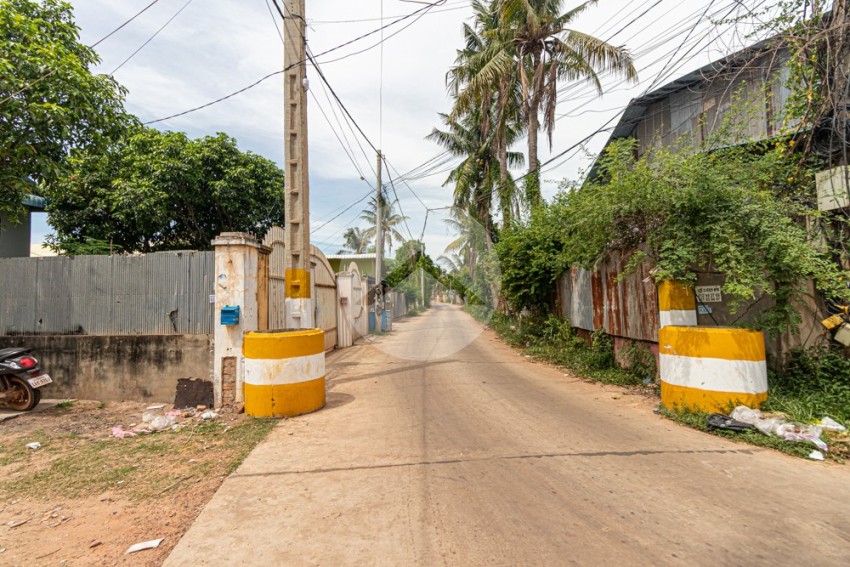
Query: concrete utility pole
[[299, 301], [379, 248]]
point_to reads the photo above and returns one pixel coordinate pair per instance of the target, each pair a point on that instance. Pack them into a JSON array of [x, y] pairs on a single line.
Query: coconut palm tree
[[546, 50], [489, 100], [390, 221], [477, 178], [356, 240]]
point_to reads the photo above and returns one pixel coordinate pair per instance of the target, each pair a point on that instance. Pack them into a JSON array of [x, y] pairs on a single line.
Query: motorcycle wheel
[[21, 396]]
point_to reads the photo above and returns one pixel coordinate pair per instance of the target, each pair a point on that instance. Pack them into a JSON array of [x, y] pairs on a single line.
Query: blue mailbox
[[230, 315]]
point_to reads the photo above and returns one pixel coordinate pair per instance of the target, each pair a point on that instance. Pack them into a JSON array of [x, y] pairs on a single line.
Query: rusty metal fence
[[624, 305]]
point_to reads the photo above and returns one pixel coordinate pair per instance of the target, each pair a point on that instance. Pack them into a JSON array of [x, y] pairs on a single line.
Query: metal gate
[[322, 280]]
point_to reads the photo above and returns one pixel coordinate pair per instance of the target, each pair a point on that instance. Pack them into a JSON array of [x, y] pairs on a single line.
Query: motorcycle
[[20, 379]]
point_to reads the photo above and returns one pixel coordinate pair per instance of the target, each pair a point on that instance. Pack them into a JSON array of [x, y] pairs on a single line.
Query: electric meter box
[[230, 315]]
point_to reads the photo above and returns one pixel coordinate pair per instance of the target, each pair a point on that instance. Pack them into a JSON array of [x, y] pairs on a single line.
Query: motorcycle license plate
[[40, 381]]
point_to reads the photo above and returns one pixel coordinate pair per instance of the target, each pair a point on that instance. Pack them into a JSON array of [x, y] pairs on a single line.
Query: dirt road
[[442, 446]]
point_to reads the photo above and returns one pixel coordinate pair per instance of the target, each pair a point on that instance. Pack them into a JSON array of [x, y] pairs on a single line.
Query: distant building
[[15, 238], [365, 262]]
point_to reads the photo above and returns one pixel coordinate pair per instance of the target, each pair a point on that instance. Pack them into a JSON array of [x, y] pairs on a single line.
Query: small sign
[[709, 294], [704, 310], [212, 299]]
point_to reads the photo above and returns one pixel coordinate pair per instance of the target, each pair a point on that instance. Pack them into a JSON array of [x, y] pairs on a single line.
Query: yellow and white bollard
[[677, 304], [711, 368], [284, 372]]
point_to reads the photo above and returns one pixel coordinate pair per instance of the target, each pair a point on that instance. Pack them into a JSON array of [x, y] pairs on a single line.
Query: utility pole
[[422, 276], [379, 248], [299, 301]]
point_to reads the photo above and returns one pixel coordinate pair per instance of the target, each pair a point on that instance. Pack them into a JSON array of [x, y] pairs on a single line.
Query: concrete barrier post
[[284, 372], [711, 368], [677, 304]]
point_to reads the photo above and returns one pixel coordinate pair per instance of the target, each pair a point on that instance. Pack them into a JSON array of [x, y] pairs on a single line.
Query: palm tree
[[356, 240], [545, 47], [485, 85], [477, 177], [390, 221]]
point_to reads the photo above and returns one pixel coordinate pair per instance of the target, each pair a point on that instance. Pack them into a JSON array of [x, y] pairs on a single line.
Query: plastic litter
[[830, 424], [209, 415], [816, 455], [155, 407], [161, 422], [120, 433], [720, 421], [778, 427], [141, 546], [34, 445]]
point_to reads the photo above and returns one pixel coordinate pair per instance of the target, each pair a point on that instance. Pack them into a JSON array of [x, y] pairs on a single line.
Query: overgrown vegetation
[[737, 210]]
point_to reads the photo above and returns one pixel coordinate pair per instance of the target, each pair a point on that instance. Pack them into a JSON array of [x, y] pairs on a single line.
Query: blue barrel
[[371, 321], [386, 321]]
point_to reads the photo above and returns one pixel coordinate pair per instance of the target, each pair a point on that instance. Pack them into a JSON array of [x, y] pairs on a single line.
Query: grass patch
[[67, 404], [141, 467]]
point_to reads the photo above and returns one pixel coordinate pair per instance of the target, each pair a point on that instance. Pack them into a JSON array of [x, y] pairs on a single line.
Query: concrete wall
[[15, 239], [115, 368]]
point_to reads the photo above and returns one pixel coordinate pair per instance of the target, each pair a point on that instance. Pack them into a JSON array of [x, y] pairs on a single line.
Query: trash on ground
[[720, 421], [778, 427], [141, 546], [830, 424], [155, 407], [816, 455], [120, 433], [34, 445], [209, 415]]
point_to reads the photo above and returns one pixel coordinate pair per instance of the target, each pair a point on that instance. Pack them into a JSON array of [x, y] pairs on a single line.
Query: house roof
[[35, 202], [636, 109], [370, 256]]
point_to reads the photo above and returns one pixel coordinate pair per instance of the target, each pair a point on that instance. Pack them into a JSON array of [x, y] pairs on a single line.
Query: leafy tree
[[50, 101], [391, 221], [162, 191]]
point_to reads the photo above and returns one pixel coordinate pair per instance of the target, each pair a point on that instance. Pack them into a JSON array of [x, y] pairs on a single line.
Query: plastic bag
[[830, 424]]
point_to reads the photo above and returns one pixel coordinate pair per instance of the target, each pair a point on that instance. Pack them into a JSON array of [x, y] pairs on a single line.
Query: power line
[[150, 39], [275, 73]]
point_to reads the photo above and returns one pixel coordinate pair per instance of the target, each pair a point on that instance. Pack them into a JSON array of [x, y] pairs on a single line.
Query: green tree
[[391, 221], [50, 101], [162, 191]]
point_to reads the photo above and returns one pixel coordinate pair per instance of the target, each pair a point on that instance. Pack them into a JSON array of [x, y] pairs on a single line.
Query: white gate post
[[236, 265]]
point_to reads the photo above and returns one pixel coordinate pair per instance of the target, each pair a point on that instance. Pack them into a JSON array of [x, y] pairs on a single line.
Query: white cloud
[[218, 46]]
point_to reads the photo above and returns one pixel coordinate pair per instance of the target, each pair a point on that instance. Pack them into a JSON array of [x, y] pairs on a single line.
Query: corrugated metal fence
[[152, 294], [625, 305]]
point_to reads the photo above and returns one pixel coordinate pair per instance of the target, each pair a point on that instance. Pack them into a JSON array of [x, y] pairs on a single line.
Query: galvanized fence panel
[[161, 293]]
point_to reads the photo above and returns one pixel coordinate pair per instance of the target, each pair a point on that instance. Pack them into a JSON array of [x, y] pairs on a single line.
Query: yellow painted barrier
[[677, 304], [711, 368], [284, 372]]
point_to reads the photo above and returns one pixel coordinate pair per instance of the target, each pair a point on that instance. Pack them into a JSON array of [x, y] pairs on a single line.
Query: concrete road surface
[[442, 446]]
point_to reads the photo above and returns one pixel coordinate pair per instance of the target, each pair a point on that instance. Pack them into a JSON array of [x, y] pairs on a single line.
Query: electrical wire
[[151, 38]]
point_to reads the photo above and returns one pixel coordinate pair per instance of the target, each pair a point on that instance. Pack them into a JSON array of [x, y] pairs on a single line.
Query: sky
[[393, 89]]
